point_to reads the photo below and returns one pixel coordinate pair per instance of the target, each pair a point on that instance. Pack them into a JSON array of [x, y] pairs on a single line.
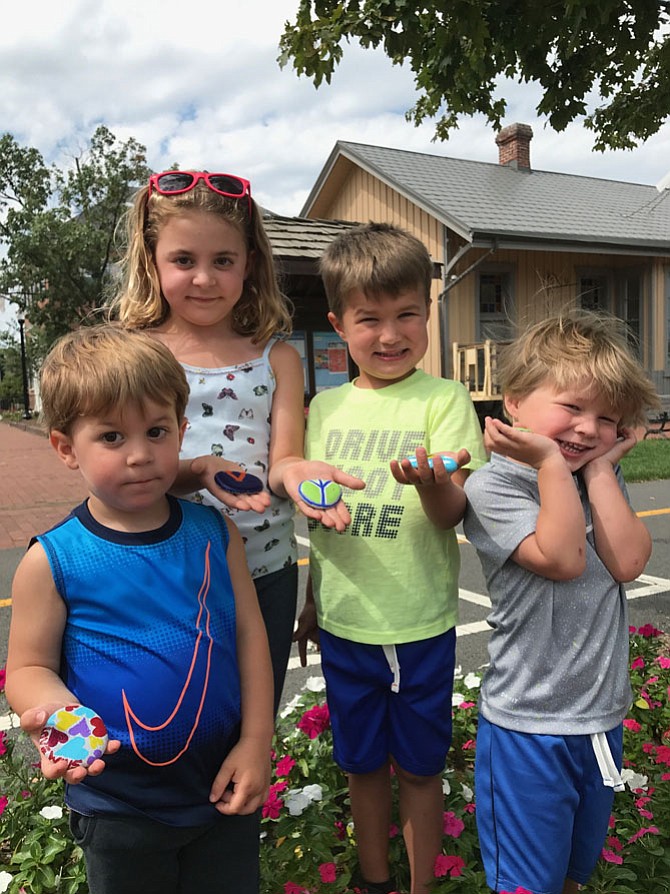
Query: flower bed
[[308, 842]]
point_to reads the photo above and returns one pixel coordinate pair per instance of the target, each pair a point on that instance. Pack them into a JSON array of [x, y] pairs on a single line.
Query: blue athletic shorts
[[372, 721], [542, 807]]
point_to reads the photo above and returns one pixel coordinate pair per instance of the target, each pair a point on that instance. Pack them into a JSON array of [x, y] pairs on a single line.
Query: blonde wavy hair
[[95, 369], [574, 348], [261, 312]]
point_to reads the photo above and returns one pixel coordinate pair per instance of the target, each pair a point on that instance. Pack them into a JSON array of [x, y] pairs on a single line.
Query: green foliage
[[59, 225], [573, 49], [308, 843]]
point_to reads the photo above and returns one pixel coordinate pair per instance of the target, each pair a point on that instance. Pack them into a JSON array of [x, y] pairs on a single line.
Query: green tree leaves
[[575, 50]]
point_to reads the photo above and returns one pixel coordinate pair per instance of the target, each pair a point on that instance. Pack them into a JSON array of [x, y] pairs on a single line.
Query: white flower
[[53, 812], [467, 792], [446, 787], [9, 721], [315, 684], [458, 672], [632, 779], [5, 881], [457, 699], [314, 792], [296, 801], [472, 681], [288, 708]]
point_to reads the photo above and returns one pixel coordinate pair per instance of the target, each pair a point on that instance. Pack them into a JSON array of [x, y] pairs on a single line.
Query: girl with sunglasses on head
[[200, 276]]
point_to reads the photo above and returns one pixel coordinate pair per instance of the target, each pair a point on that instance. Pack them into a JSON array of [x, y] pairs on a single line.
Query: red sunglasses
[[172, 183]]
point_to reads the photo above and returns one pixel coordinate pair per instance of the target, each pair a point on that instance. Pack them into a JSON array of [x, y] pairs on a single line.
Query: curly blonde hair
[[261, 312]]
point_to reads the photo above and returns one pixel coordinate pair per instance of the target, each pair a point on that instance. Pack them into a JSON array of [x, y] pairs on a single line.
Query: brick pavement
[[36, 489]]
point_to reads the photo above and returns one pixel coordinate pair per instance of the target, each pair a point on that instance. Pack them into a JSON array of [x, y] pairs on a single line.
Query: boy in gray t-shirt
[[552, 524]]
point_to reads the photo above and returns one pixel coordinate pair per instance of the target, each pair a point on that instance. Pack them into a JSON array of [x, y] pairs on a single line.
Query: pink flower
[[637, 662], [469, 808], [517, 891], [649, 630], [273, 805], [632, 725], [453, 826], [649, 830], [315, 721], [610, 856], [292, 888], [666, 777], [614, 843], [448, 865], [467, 746], [3, 803], [465, 705], [394, 831], [285, 765], [663, 754], [340, 830], [3, 677], [328, 872], [648, 747]]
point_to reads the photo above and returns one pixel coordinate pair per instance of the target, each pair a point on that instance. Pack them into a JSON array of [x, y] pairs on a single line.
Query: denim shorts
[[390, 701], [542, 807]]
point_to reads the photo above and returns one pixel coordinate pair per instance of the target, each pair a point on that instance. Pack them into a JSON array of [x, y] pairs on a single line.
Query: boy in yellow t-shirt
[[385, 591]]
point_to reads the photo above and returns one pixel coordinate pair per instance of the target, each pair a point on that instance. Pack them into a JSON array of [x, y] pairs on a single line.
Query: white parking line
[[651, 585]]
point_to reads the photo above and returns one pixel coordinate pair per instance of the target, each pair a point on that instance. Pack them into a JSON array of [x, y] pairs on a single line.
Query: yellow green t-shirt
[[392, 576]]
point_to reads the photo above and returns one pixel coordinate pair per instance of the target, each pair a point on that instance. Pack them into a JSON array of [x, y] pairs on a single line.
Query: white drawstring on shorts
[[608, 769], [394, 665]]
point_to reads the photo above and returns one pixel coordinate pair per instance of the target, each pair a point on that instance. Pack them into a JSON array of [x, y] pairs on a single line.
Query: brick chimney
[[514, 146]]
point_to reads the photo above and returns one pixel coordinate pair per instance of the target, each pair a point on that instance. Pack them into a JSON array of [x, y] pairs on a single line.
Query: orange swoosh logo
[[131, 716]]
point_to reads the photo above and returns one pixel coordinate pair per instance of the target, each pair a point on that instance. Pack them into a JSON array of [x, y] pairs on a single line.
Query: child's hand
[[241, 785], [33, 721], [518, 443], [206, 467], [337, 516], [404, 473], [306, 631], [624, 444]]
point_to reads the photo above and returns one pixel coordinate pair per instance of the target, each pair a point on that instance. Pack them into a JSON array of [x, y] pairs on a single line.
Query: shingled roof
[[483, 201], [299, 242]]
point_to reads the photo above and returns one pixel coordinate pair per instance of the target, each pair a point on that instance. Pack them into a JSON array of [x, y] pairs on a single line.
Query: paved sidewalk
[[36, 489]]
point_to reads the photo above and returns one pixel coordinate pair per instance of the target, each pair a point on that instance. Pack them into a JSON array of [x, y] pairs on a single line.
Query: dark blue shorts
[[542, 807], [376, 713]]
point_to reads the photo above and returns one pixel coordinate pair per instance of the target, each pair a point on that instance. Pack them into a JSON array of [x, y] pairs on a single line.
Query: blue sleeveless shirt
[[149, 644]]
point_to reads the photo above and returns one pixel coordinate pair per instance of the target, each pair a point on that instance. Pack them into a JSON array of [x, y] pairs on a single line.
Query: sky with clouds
[[199, 84]]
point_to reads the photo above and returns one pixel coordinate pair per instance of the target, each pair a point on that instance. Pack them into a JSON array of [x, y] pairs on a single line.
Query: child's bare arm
[[34, 688], [557, 548], [247, 768], [441, 492], [622, 539]]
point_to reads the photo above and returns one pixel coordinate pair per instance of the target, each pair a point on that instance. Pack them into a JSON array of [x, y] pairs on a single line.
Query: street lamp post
[[24, 372]]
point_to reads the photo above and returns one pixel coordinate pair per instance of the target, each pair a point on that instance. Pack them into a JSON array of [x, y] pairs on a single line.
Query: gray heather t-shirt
[[558, 649]]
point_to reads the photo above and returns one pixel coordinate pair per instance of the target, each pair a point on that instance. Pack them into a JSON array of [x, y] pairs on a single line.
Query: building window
[[495, 306], [593, 293]]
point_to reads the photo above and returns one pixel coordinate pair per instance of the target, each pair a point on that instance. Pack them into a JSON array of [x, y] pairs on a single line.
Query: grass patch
[[648, 461]]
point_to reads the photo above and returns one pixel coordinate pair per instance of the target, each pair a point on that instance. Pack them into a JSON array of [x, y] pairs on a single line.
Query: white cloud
[[200, 85]]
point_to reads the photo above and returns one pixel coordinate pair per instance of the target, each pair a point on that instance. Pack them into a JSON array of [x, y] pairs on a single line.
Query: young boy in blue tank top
[[386, 590], [553, 526], [141, 607]]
